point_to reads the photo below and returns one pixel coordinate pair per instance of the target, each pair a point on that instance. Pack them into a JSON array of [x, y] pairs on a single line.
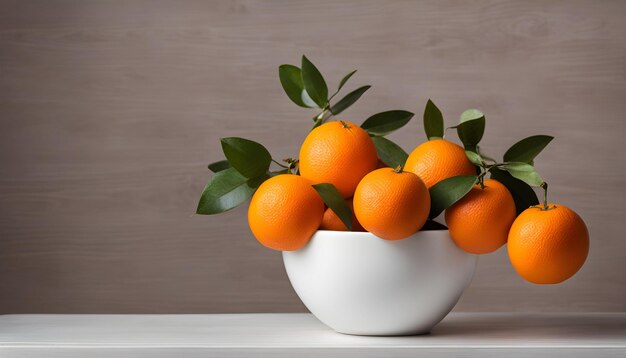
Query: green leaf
[[471, 114], [219, 166], [449, 191], [431, 225], [433, 121], [348, 100], [523, 195], [314, 83], [474, 157], [383, 123], [525, 172], [345, 79], [527, 149], [307, 100], [249, 158], [291, 80], [471, 129], [227, 190], [389, 152], [335, 202]]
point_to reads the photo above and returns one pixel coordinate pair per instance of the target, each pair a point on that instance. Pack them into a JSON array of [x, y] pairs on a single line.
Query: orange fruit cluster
[[351, 177], [545, 246], [391, 203]]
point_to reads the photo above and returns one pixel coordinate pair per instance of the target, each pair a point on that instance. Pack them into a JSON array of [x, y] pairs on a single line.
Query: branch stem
[[279, 164], [544, 185]]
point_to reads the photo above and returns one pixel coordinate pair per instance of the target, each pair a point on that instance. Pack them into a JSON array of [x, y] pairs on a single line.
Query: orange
[[331, 221], [339, 153], [391, 203], [479, 223], [284, 212], [548, 246], [437, 160]]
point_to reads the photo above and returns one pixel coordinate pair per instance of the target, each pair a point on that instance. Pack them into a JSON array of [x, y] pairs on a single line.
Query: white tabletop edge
[[602, 330]]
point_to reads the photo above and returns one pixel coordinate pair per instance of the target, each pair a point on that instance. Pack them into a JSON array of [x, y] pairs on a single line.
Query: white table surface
[[301, 335]]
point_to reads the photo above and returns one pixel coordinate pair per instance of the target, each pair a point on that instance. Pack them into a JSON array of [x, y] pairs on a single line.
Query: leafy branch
[[306, 87], [246, 167], [516, 171]]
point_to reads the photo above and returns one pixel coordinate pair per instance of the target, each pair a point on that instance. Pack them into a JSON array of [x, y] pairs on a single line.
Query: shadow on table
[[539, 326]]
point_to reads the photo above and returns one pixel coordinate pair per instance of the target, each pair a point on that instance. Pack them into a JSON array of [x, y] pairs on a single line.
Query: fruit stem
[[398, 169], [344, 124], [292, 163], [544, 185], [481, 177]]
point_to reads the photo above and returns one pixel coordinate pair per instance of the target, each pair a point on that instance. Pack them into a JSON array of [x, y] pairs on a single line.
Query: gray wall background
[[110, 111]]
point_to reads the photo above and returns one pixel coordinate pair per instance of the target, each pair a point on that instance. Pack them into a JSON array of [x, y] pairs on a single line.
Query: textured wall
[[110, 110]]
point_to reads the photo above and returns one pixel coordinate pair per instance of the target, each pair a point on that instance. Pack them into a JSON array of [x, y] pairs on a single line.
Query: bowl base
[[417, 333]]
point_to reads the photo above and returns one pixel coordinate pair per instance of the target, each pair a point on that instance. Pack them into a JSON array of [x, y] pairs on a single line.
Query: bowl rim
[[349, 234]]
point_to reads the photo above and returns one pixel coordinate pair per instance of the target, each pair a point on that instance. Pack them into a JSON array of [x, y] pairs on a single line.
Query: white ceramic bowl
[[357, 283]]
